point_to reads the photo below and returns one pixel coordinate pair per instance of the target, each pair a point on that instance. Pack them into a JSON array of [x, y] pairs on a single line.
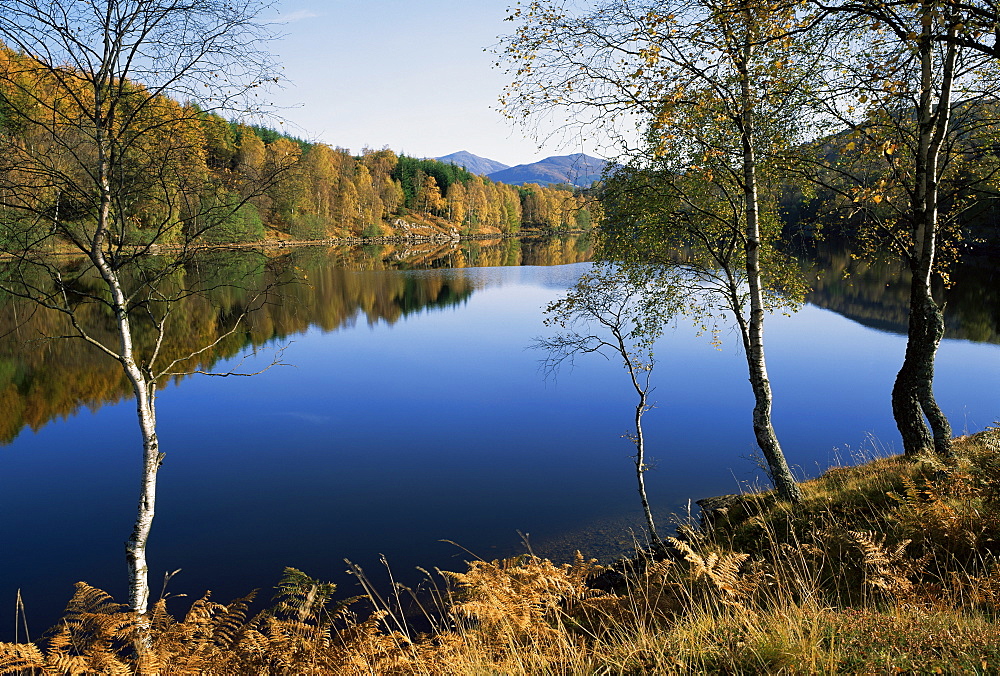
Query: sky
[[410, 75]]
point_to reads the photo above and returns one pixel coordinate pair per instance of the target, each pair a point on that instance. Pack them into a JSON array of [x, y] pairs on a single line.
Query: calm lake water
[[411, 412]]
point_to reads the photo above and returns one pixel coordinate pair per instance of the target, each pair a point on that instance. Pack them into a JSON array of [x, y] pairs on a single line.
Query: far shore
[[271, 243]]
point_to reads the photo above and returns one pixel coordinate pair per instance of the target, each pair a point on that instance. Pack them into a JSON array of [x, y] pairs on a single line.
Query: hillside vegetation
[[279, 186]]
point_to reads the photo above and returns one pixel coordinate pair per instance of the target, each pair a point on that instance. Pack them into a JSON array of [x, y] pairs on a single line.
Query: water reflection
[[876, 294], [42, 379]]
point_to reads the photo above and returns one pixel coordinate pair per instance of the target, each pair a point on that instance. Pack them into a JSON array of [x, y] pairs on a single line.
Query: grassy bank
[[891, 566]]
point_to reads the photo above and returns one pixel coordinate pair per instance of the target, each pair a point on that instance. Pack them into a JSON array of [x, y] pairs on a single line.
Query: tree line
[[260, 182]]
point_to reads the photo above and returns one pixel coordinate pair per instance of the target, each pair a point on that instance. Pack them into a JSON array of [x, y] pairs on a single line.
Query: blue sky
[[410, 75]]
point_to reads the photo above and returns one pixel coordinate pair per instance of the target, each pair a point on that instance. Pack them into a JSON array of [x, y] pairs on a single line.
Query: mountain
[[576, 169], [473, 163]]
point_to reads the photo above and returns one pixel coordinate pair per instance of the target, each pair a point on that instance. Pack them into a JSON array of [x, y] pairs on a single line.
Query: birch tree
[[97, 159], [916, 89], [713, 90], [608, 313]]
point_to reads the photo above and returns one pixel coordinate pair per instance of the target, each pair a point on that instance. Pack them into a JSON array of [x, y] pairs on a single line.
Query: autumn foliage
[[260, 182]]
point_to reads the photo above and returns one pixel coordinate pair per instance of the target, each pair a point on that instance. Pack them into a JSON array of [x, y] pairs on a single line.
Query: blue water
[[380, 439]]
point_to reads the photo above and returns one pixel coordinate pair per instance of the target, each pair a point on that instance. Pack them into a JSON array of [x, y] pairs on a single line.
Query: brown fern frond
[[201, 611], [913, 496], [16, 657], [227, 621], [888, 569], [873, 552], [254, 642], [61, 640], [89, 600], [656, 573], [985, 589], [725, 572], [159, 618], [362, 646], [685, 549], [103, 661], [721, 569], [93, 636], [70, 664], [517, 601]]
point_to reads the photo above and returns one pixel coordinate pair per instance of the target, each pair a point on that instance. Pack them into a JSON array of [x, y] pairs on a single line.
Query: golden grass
[[891, 566]]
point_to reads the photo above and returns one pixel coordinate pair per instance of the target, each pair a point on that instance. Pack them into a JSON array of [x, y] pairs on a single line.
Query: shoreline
[[278, 244]]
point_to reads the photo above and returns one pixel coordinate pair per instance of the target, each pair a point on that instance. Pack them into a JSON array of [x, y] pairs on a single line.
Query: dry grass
[[891, 566]]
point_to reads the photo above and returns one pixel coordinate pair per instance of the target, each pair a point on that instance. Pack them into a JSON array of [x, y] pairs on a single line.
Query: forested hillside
[[275, 186]]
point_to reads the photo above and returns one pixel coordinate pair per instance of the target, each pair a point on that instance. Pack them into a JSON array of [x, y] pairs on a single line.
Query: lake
[[411, 421]]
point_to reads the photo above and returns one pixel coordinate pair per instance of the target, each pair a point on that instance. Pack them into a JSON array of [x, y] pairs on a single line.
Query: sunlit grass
[[889, 566]]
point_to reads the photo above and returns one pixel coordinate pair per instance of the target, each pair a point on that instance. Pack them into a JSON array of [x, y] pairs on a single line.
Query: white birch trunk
[[143, 386], [641, 387], [640, 470], [753, 330], [912, 392]]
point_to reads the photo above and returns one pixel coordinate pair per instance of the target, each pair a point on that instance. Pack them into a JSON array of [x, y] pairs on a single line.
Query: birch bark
[[912, 393], [753, 330]]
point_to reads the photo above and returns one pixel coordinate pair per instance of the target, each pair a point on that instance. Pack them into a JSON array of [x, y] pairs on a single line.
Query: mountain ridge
[[576, 169], [473, 163]]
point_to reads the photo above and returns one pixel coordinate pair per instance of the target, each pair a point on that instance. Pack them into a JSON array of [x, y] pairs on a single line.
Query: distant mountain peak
[[575, 169], [473, 163]]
